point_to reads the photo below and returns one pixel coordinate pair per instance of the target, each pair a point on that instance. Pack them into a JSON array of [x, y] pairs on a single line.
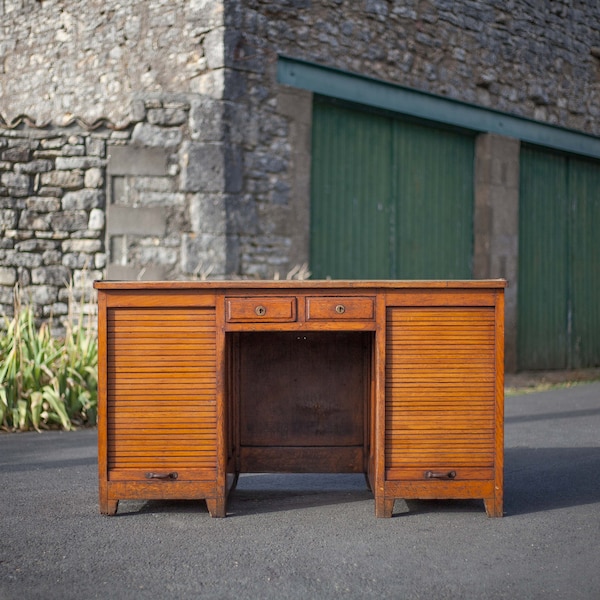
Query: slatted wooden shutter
[[440, 392], [161, 399]]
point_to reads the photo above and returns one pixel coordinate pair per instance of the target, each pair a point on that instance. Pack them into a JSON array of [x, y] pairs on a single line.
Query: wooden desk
[[400, 380]]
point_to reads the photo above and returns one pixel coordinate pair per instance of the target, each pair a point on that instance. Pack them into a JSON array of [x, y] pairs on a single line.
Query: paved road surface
[[313, 536]]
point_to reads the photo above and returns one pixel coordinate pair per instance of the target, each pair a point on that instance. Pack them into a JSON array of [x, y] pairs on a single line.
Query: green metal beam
[[380, 94]]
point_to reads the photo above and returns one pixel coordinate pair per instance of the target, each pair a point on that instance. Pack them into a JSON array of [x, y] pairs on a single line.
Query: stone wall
[[534, 58], [92, 59], [107, 111], [51, 216], [77, 203], [538, 60], [151, 138]]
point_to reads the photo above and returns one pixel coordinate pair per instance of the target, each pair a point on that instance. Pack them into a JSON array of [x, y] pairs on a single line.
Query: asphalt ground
[[313, 536]]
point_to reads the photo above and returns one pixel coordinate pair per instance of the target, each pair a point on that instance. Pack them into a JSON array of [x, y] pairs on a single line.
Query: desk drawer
[[334, 308], [261, 309]]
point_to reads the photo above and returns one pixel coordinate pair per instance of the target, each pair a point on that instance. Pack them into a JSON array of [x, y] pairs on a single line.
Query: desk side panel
[[160, 398], [443, 404]]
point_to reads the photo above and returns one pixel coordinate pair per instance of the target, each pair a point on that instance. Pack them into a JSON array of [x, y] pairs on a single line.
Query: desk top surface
[[299, 285]]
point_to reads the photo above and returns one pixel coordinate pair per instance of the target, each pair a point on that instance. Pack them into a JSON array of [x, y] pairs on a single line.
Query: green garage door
[[389, 198], [559, 261]]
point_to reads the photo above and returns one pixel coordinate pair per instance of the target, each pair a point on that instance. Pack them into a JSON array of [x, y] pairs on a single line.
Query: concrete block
[[144, 221], [129, 273], [128, 160]]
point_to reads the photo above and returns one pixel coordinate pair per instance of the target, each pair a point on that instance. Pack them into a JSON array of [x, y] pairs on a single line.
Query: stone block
[[100, 260], [167, 117], [8, 276], [58, 309], [148, 135], [41, 295], [93, 178], [43, 204], [17, 181], [295, 104], [36, 245], [205, 13], [84, 199], [84, 279], [8, 218], [70, 163], [35, 221], [50, 275], [52, 143], [242, 216], [234, 169], [243, 51], [234, 85], [214, 48], [95, 147], [206, 120], [154, 255], [211, 83], [96, 220], [63, 179], [35, 166], [89, 246], [69, 220], [203, 253], [52, 257], [163, 199], [77, 261], [203, 167], [208, 213], [17, 154], [70, 150]]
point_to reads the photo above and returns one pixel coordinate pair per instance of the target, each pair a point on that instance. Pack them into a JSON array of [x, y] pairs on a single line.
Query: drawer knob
[[440, 475], [340, 309], [261, 311]]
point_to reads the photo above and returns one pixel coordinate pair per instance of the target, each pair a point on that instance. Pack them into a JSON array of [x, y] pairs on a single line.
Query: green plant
[[46, 381]]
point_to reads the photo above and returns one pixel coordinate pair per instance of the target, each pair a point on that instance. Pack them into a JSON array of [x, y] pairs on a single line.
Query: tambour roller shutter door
[[440, 391], [161, 399]]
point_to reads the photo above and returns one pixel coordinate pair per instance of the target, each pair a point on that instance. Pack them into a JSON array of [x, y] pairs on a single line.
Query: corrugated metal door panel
[[542, 339], [433, 201], [584, 193], [350, 237]]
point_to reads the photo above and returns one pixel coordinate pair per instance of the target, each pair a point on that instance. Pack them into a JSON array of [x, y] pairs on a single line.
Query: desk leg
[[384, 507], [493, 507], [217, 507], [109, 507]]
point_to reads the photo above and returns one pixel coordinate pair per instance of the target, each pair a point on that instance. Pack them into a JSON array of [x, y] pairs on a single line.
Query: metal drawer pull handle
[[172, 475], [438, 475], [340, 309], [261, 311]]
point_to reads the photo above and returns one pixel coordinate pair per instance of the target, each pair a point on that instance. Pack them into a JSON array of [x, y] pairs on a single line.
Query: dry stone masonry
[[150, 139]]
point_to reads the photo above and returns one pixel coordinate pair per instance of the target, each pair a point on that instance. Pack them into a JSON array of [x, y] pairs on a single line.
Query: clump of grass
[[46, 381]]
